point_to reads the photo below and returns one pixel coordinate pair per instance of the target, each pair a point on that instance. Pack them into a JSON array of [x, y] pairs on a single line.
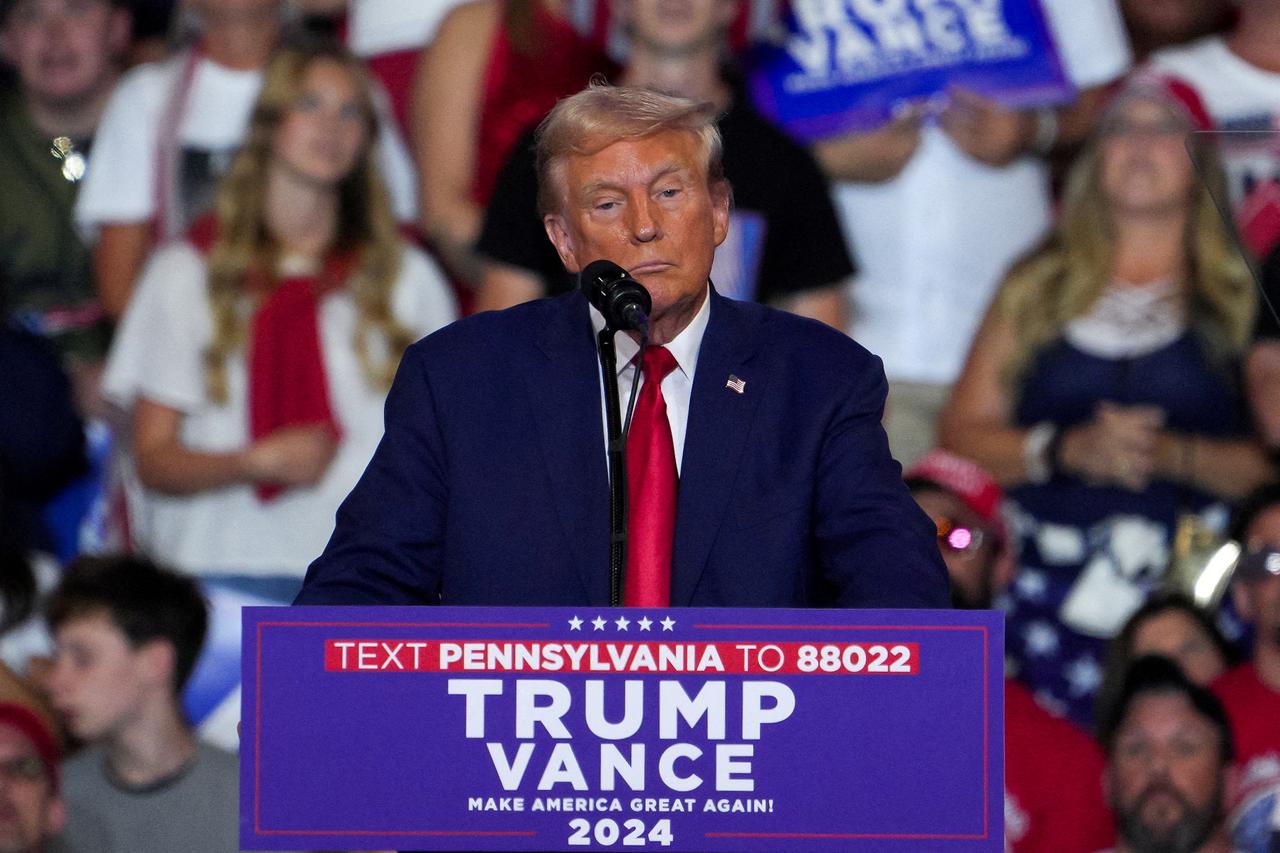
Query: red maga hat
[[965, 479]]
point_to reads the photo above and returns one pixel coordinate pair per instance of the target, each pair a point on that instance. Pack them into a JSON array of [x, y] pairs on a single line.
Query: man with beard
[[1169, 748], [1053, 771], [1251, 691]]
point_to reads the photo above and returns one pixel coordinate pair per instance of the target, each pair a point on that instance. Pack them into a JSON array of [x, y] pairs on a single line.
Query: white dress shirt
[[677, 388]]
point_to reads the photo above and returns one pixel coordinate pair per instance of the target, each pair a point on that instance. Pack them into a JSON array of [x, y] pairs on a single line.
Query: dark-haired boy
[[127, 634]]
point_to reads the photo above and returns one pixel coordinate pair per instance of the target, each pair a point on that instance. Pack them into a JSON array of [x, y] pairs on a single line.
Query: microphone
[[622, 300]]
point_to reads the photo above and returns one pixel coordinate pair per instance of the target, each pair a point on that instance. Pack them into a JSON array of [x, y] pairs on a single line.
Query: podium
[[539, 729]]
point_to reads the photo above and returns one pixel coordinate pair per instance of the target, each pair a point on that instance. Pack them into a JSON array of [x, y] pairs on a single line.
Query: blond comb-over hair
[[601, 115]]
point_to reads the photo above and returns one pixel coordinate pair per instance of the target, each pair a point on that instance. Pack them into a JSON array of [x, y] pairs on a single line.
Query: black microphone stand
[[617, 447], [624, 304]]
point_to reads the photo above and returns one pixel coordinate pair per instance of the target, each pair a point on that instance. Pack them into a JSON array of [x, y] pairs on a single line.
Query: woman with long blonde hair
[[1103, 388], [256, 354]]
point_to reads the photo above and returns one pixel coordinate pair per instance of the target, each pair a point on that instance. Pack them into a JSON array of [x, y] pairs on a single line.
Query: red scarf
[[287, 382]]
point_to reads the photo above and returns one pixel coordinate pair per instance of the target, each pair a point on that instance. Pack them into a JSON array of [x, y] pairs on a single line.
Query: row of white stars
[[621, 623]]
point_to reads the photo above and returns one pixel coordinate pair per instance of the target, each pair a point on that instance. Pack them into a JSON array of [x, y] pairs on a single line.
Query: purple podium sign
[[449, 728]]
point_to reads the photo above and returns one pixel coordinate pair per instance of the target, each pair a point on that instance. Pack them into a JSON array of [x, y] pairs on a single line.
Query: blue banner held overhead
[[544, 729], [852, 65]]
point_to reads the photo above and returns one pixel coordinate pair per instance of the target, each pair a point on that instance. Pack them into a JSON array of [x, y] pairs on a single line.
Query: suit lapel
[[719, 422], [564, 392]]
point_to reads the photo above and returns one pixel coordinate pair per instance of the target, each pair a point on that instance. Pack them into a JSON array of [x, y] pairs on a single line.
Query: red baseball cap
[[965, 479]]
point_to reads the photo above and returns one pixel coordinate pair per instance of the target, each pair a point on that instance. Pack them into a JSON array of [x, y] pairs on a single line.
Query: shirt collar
[[685, 346]]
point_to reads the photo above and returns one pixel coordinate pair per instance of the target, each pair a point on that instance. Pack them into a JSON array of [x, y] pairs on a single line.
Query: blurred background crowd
[[222, 221]]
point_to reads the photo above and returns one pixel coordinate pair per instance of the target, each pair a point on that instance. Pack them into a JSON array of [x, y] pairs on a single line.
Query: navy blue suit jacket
[[490, 485]]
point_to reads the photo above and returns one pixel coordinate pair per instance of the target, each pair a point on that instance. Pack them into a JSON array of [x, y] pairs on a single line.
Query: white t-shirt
[[158, 353], [934, 242], [1239, 97], [120, 183]]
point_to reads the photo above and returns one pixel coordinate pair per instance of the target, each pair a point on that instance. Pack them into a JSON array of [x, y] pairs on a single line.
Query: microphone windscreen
[[595, 278]]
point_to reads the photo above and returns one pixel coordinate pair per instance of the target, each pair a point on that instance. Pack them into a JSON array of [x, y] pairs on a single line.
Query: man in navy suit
[[490, 485]]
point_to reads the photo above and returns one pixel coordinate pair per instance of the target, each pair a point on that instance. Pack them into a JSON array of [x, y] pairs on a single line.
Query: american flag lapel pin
[[736, 384]]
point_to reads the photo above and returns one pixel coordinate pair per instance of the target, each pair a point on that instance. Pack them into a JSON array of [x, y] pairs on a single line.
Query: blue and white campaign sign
[[451, 728], [850, 65]]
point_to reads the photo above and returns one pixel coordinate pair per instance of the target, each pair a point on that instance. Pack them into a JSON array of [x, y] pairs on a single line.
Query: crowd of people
[[222, 222]]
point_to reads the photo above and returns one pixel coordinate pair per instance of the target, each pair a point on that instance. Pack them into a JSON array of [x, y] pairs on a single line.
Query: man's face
[[1166, 775], [645, 205], [676, 28], [98, 680], [1259, 600], [64, 49], [30, 809]]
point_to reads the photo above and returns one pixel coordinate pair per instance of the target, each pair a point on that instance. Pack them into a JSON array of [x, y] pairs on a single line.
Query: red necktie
[[651, 489]]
